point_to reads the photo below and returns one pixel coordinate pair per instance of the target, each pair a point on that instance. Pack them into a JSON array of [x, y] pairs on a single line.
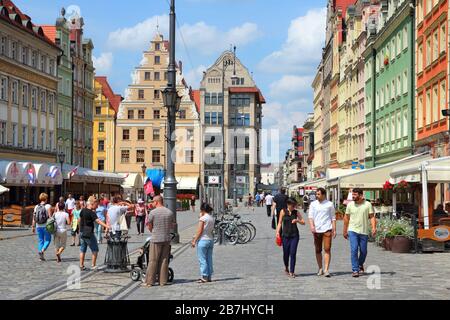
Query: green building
[[60, 34], [389, 82]]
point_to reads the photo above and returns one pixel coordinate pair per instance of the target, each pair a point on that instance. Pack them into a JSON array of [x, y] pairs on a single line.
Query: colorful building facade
[[390, 87], [432, 77], [60, 35], [104, 131]]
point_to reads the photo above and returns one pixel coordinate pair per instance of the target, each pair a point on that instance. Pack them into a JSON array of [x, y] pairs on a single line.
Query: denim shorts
[[91, 243]]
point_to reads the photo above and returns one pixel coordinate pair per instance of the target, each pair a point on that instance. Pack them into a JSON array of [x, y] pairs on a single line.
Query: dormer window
[[157, 47]]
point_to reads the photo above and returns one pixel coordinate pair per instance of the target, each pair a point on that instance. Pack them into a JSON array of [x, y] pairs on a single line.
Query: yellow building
[[142, 118], [105, 111]]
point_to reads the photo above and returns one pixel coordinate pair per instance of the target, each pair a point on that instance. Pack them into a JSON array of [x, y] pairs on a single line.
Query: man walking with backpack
[[40, 216]]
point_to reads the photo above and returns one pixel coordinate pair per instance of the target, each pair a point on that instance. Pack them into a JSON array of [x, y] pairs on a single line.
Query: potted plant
[[383, 237], [402, 233], [386, 60]]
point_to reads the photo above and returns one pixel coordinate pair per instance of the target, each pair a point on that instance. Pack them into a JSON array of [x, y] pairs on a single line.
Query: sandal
[[201, 281], [83, 268], [144, 285]]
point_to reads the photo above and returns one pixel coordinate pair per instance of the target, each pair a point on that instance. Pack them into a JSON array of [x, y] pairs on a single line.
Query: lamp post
[[171, 102], [227, 61], [144, 170], [62, 159]]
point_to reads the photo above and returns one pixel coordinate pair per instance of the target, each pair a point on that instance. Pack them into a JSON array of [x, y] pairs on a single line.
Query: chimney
[[181, 67]]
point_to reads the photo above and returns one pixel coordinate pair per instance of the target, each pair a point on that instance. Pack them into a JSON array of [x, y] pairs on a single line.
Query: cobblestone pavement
[[24, 276], [256, 271]]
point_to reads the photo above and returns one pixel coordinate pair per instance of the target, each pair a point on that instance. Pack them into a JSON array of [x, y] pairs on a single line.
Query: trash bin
[[117, 259]]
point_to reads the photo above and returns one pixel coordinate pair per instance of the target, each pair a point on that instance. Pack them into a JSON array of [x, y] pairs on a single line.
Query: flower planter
[[401, 244], [388, 244]]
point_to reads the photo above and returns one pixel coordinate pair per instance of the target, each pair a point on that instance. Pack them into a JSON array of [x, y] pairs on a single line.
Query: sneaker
[[327, 274], [355, 274], [41, 256], [72, 245], [320, 273]]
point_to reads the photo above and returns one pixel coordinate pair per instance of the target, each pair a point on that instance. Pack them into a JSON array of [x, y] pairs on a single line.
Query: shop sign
[[213, 180], [441, 233], [9, 217]]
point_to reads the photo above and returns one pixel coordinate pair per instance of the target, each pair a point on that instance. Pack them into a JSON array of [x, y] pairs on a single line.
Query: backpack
[[51, 225], [41, 214]]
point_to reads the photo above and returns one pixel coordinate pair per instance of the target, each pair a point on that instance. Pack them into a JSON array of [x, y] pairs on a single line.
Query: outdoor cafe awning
[[185, 183], [437, 171], [133, 181], [321, 183], [374, 178]]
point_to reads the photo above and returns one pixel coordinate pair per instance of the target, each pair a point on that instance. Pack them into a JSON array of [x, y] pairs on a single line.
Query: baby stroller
[[139, 270]]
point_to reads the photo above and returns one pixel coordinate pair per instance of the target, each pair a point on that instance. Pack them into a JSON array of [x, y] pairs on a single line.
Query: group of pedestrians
[[359, 222]]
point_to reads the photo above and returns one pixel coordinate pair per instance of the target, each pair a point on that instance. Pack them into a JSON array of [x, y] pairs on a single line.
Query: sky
[[280, 42]]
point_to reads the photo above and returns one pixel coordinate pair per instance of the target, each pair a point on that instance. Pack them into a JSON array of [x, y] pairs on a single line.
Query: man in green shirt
[[356, 228]]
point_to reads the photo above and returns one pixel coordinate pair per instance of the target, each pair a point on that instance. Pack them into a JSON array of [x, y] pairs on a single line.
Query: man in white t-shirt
[[269, 202], [70, 205], [322, 219]]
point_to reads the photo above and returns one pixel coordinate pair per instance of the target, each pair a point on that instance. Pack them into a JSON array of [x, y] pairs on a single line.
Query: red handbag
[[278, 240]]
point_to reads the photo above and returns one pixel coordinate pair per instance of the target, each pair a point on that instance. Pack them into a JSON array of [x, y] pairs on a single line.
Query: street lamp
[[172, 102], [62, 159], [144, 170]]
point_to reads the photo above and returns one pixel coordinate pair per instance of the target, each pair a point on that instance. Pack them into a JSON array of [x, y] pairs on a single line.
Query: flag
[[53, 173], [148, 188], [73, 172]]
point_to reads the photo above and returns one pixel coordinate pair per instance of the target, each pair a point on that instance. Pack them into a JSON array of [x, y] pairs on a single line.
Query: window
[[130, 114], [25, 95], [34, 99], [399, 86], [405, 38], [141, 134], [156, 156], [15, 92], [157, 76], [3, 41], [101, 165], [126, 134], [393, 127], [157, 46], [157, 60], [436, 115], [101, 145], [14, 50], [156, 135], [140, 156], [52, 67], [207, 98], [405, 82], [125, 156], [43, 139], [4, 89], [428, 54], [190, 134], [101, 127], [156, 114], [182, 114], [43, 105], [443, 100], [443, 38], [393, 89], [166, 74], [420, 112], [42, 65], [34, 59], [3, 133], [420, 59], [428, 109], [189, 156], [240, 100], [147, 76], [141, 94], [51, 104], [24, 55], [207, 118], [25, 136], [141, 114], [156, 95], [98, 110], [399, 44], [435, 45], [60, 119], [405, 122]]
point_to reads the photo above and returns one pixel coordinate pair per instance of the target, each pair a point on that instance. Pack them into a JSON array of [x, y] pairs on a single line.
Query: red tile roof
[[195, 96], [12, 14], [50, 32], [114, 99], [249, 90]]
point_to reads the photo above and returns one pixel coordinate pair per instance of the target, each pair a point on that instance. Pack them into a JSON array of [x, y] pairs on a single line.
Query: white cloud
[[103, 64], [303, 46], [291, 86], [194, 76], [200, 37]]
